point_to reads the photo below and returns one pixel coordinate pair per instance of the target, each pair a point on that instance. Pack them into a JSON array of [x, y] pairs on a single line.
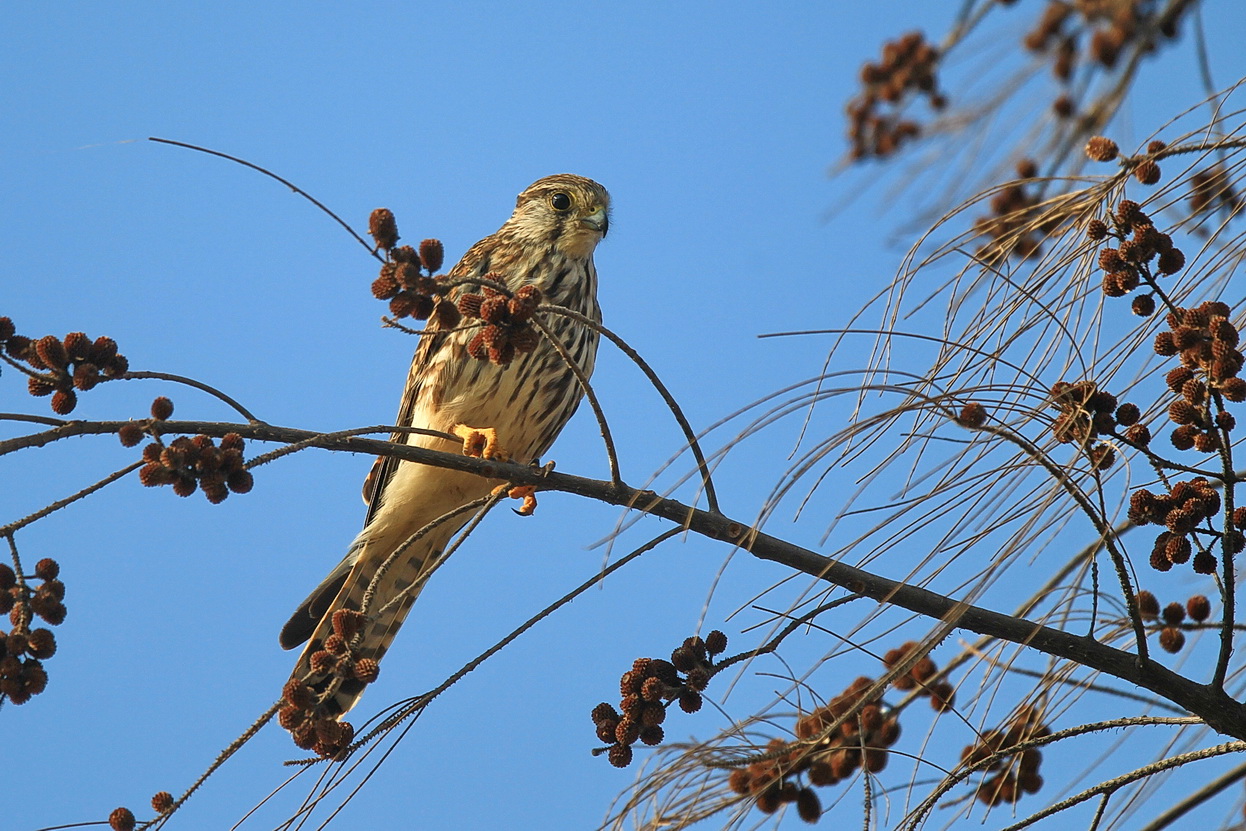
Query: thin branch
[[272, 175], [7, 530], [191, 382], [32, 419], [690, 436], [412, 705], [1197, 798], [1144, 772], [580, 377]]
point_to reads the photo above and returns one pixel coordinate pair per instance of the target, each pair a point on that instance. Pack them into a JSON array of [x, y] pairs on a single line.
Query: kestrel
[[547, 243]]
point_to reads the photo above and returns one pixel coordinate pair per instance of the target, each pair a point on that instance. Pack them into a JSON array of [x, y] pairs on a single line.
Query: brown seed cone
[[161, 408], [651, 735], [690, 701], [86, 376], [64, 402], [605, 730], [1204, 563], [972, 415], [383, 228], [1148, 172], [304, 735], [366, 670], [620, 755], [130, 434], [739, 780], [347, 623], [432, 254], [1171, 261], [385, 286], [627, 731], [297, 694], [322, 662], [184, 486], [51, 350], [40, 387], [1173, 614], [1171, 639], [240, 481], [47, 569], [41, 644], [820, 774], [1101, 149], [162, 802], [121, 819], [715, 642]]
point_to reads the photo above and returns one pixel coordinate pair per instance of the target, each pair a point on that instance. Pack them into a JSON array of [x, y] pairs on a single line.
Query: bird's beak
[[598, 221]]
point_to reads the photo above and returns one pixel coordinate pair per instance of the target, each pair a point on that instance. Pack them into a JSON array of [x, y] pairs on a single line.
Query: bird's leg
[[482, 442]]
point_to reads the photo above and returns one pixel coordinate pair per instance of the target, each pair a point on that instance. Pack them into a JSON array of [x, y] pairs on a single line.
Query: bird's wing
[[475, 263]]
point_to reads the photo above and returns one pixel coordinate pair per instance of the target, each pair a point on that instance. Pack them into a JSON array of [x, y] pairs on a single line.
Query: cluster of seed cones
[[22, 649], [63, 367], [648, 688], [1013, 771], [301, 712]]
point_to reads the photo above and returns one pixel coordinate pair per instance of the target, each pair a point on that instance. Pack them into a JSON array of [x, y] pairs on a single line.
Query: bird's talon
[[481, 442], [528, 494]]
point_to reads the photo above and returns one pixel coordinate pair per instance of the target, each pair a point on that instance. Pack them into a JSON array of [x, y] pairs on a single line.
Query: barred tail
[[337, 681]]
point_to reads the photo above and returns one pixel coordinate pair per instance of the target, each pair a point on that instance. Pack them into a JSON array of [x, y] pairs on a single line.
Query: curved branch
[[191, 382], [690, 436], [611, 454], [272, 175]]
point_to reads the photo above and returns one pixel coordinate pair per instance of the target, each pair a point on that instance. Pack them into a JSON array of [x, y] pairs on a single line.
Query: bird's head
[[571, 213]]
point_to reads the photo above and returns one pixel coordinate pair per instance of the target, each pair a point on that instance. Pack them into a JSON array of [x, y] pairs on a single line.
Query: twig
[[694, 445], [611, 454], [1144, 772], [272, 175], [7, 530], [191, 382], [416, 703]]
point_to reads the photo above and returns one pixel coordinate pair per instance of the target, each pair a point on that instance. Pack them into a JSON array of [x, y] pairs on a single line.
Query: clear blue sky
[[712, 124]]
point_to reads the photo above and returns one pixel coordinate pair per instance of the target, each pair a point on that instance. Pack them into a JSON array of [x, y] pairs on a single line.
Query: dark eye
[[560, 201]]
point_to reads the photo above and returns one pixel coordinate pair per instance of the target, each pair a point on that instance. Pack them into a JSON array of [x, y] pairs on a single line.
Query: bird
[[519, 406]]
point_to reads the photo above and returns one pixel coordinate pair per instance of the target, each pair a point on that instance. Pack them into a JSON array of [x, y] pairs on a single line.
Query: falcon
[[521, 406]]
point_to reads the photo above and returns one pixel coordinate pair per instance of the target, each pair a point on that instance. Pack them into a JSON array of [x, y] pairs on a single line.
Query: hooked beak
[[598, 221]]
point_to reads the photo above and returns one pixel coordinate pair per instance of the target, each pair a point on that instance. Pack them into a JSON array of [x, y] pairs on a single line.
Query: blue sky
[[713, 126]]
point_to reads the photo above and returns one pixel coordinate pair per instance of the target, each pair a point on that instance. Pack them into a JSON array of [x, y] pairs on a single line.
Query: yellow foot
[[528, 494], [482, 442]]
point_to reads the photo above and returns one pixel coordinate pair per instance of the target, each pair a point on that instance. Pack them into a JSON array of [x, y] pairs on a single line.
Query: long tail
[[342, 652]]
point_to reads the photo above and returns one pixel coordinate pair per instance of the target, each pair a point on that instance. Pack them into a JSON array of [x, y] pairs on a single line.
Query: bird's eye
[[560, 201]]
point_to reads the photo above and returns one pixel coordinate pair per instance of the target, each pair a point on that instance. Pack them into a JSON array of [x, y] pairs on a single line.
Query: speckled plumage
[[526, 402]]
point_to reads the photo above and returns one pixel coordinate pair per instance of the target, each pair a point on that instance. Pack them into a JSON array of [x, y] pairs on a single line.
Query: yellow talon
[[528, 494], [482, 442]]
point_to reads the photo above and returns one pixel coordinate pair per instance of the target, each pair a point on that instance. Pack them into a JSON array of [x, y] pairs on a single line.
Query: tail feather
[[340, 691], [303, 622]]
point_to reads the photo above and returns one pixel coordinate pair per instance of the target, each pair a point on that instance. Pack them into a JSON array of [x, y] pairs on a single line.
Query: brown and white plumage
[[548, 243]]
